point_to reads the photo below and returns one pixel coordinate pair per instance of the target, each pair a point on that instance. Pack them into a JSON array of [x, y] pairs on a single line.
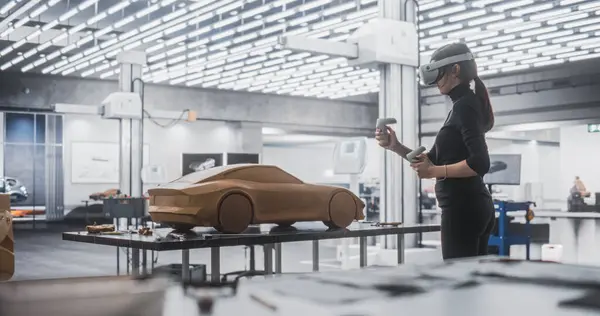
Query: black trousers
[[466, 228]]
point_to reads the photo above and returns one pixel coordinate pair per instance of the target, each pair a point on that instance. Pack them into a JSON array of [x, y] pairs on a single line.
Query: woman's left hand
[[424, 167]]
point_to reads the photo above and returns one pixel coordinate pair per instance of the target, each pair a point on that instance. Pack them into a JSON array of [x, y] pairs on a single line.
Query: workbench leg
[[135, 262], [215, 264], [400, 244], [144, 262], [116, 223], [362, 244], [185, 265], [315, 255], [252, 258], [152, 262], [268, 252], [278, 261], [127, 259], [118, 261]]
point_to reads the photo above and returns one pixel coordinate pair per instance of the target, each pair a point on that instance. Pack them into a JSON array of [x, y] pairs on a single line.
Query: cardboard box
[[7, 240]]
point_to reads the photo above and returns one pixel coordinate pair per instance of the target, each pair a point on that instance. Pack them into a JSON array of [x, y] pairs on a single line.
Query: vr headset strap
[[449, 60]]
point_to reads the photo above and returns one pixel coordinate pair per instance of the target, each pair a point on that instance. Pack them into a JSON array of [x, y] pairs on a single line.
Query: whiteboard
[[98, 162]]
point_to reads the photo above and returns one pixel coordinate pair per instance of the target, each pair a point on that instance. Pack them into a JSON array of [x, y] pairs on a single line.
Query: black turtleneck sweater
[[462, 137]]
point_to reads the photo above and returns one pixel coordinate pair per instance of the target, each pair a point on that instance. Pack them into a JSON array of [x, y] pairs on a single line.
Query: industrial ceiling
[[231, 44]]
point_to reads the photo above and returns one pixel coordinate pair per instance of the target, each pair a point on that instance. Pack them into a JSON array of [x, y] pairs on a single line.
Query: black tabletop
[[167, 239]]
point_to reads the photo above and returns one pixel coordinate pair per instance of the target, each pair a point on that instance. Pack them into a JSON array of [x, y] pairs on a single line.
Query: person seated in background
[[581, 187]]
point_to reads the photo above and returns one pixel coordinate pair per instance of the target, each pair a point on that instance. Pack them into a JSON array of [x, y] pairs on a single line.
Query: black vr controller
[[382, 124]]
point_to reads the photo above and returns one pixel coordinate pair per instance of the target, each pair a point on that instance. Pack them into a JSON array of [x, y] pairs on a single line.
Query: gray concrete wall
[[304, 114], [570, 92]]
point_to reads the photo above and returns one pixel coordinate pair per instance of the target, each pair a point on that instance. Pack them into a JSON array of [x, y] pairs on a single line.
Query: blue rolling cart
[[503, 240]]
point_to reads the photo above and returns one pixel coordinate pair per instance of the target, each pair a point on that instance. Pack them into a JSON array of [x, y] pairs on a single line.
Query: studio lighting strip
[[232, 44], [513, 35]]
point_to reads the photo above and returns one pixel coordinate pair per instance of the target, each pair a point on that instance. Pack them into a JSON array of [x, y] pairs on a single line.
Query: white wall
[[166, 145], [313, 163], [579, 156]]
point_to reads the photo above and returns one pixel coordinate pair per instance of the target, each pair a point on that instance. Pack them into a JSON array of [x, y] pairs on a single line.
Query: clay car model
[[230, 198]]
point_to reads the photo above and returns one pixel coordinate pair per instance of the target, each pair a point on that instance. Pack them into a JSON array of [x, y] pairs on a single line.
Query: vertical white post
[[130, 130], [398, 98]]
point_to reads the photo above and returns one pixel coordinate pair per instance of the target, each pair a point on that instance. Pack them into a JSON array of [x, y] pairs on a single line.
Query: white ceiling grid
[[231, 44]]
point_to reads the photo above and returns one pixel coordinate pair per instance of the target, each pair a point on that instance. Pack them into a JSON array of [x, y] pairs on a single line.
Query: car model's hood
[[179, 188]]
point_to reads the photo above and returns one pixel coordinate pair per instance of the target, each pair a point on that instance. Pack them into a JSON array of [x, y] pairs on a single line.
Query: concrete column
[[398, 98], [130, 131]]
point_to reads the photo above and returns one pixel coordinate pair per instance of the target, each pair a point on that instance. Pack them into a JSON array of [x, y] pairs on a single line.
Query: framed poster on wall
[[233, 158], [196, 162], [98, 162]]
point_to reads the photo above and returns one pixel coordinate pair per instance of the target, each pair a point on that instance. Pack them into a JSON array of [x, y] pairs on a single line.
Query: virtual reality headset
[[431, 73]]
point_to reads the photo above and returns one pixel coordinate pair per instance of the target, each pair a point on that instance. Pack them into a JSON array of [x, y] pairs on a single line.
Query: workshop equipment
[[504, 239], [552, 253]]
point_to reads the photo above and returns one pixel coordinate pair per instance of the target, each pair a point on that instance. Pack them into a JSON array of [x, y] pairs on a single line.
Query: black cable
[[171, 123], [146, 114]]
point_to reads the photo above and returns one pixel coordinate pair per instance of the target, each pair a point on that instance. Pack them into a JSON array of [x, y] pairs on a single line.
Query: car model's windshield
[[199, 176]]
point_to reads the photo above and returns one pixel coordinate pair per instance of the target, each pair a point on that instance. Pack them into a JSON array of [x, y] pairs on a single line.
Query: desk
[[269, 236], [577, 232]]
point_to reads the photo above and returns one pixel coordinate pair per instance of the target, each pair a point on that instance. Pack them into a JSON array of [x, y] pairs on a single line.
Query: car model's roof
[[207, 174]]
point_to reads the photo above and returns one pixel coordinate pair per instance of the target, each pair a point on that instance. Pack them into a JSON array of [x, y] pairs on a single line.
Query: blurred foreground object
[[7, 243]]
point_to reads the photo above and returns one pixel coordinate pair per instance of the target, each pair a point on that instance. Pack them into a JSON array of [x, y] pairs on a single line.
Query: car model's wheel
[[235, 214], [181, 227], [342, 210]]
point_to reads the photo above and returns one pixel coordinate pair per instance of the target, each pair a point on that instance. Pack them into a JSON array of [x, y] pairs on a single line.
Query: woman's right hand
[[387, 141]]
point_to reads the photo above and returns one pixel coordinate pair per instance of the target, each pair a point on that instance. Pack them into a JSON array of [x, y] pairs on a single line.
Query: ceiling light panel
[[513, 35], [231, 44]]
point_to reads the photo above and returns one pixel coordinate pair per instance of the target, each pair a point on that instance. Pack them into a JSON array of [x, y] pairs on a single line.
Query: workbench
[[269, 236], [471, 287], [577, 232]]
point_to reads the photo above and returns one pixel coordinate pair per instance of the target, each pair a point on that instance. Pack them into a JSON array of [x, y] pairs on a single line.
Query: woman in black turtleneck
[[459, 158]]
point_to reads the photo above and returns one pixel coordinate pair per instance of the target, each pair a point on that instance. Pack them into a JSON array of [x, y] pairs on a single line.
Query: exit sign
[[593, 128]]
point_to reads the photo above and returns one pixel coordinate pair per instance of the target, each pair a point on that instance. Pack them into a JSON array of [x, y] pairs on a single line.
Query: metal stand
[[398, 98], [130, 139], [504, 239]]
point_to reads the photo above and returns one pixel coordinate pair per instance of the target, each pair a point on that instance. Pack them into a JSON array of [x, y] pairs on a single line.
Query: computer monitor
[[504, 170]]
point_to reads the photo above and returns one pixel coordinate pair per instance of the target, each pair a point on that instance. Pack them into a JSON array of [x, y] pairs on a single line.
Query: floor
[[42, 254]]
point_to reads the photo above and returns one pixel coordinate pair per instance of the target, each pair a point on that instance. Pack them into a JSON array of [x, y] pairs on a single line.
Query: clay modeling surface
[[100, 228], [229, 198], [102, 195], [7, 244]]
